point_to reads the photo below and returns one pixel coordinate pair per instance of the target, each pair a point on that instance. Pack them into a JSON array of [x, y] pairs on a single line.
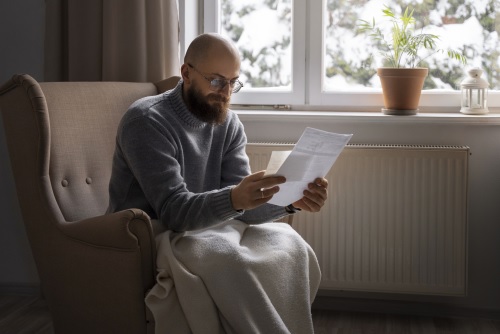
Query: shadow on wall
[[22, 52], [19, 272]]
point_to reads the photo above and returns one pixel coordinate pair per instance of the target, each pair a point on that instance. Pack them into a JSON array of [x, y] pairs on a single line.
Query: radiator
[[395, 220]]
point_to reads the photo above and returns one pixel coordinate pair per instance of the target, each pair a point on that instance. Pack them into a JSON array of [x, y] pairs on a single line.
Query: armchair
[[94, 268]]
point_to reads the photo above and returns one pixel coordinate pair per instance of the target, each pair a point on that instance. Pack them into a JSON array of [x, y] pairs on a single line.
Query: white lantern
[[474, 93]]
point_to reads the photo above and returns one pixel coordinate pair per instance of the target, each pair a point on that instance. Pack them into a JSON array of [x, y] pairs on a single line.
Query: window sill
[[492, 118]]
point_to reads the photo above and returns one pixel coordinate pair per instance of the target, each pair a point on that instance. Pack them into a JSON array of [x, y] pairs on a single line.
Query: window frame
[[307, 92], [264, 96]]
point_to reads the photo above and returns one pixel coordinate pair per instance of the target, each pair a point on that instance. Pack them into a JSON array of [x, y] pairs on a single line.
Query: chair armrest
[[116, 255], [125, 230]]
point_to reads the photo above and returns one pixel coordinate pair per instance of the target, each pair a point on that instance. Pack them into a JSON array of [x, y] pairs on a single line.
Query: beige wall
[[21, 51], [21, 38]]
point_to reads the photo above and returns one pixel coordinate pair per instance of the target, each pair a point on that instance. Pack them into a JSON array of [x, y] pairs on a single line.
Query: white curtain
[[111, 40]]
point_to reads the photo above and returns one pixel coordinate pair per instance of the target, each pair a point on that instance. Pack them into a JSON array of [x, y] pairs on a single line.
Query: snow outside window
[[291, 58]]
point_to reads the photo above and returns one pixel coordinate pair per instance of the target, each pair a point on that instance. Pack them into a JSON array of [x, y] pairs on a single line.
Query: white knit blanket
[[234, 278]]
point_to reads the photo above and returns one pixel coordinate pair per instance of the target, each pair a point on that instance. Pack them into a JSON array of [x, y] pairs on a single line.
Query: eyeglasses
[[219, 84]]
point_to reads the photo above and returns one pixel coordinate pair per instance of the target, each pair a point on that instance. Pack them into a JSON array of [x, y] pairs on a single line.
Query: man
[[180, 157]]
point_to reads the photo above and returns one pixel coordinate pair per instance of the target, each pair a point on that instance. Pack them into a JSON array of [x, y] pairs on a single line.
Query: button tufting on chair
[[64, 183], [88, 180]]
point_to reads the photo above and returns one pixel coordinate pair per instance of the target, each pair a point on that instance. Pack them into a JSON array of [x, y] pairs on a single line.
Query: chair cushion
[[84, 117]]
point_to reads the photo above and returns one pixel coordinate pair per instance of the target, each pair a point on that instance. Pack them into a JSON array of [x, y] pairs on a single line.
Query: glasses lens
[[237, 86], [218, 84]]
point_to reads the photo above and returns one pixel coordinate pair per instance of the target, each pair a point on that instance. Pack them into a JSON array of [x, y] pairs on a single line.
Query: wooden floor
[[330, 322], [24, 315], [29, 315]]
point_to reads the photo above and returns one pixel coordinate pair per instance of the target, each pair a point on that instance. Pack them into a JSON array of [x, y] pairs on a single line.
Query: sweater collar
[[181, 109]]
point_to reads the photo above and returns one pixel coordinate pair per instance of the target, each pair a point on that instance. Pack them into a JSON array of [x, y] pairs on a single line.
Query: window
[[318, 59], [271, 38]]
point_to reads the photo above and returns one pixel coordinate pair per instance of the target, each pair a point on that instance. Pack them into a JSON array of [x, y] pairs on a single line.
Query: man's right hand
[[255, 190]]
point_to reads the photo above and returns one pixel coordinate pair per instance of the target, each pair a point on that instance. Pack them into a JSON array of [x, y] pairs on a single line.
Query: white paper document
[[312, 157]]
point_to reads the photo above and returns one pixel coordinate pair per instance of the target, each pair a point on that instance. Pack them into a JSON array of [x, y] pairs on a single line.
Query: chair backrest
[[83, 120], [75, 127]]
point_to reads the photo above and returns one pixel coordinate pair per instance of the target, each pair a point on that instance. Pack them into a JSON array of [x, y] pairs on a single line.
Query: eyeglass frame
[[235, 84]]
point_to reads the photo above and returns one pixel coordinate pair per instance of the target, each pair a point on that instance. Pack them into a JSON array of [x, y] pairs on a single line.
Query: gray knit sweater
[[179, 169]]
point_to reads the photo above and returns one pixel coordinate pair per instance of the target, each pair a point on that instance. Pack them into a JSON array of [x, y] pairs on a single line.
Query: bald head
[[209, 57], [210, 46]]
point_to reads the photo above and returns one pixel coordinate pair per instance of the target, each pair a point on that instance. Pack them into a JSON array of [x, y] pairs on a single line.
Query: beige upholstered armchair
[[95, 268]]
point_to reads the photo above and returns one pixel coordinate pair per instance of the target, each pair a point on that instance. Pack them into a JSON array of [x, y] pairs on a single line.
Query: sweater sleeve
[[152, 155], [263, 213]]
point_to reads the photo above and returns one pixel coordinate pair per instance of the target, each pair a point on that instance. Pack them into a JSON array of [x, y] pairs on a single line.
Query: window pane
[[468, 26], [262, 31]]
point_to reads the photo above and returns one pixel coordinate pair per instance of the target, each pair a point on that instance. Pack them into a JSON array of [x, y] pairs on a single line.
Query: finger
[[271, 181], [258, 181], [318, 196], [313, 202], [256, 176], [321, 191], [321, 181], [310, 204], [267, 193], [262, 198]]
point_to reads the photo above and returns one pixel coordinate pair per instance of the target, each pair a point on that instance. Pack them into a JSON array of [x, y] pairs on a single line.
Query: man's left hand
[[314, 196]]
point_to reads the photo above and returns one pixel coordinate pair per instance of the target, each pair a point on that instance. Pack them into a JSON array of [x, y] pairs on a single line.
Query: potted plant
[[402, 81]]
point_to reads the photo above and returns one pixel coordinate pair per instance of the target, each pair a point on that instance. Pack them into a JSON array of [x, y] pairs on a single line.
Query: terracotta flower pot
[[401, 88]]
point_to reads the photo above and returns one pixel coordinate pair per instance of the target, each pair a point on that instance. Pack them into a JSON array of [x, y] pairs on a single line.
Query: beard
[[211, 109]]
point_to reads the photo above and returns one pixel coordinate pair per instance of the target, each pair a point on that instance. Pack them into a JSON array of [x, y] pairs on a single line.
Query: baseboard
[[400, 307], [333, 303], [24, 289]]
